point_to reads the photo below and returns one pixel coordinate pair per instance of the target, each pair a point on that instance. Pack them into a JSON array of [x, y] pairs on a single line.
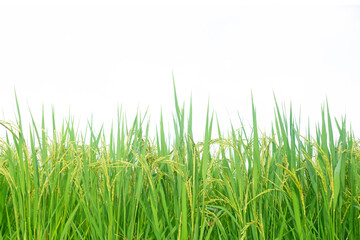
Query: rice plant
[[135, 186]]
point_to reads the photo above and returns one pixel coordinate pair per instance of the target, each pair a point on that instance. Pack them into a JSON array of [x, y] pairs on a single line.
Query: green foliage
[[244, 186]]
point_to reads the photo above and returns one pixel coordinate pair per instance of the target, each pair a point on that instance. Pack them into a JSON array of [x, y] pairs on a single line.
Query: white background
[[90, 57]]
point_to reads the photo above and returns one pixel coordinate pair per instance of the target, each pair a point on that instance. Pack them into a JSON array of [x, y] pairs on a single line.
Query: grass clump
[[132, 186]]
